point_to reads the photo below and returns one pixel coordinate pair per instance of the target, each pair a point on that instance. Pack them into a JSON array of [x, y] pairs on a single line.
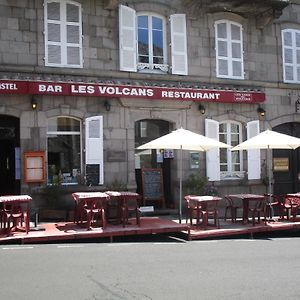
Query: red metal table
[[88, 203], [202, 203], [15, 209], [246, 198]]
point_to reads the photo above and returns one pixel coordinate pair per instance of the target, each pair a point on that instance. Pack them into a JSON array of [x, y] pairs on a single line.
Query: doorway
[[9, 155], [286, 163], [146, 131]]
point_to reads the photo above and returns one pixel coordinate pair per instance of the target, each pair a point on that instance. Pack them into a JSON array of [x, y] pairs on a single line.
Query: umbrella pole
[[180, 185], [270, 181]]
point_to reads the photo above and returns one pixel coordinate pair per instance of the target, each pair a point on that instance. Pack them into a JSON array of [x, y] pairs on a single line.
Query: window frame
[[63, 23], [65, 133], [230, 173], [294, 49], [151, 67], [229, 42]]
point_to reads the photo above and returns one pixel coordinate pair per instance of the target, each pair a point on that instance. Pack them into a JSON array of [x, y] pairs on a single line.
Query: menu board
[[92, 174], [152, 183]]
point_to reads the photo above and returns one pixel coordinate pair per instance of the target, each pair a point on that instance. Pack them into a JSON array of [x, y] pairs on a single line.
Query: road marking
[[16, 248]]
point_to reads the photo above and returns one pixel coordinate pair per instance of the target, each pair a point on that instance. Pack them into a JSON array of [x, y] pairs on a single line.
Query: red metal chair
[[232, 205], [193, 209], [291, 206], [274, 204], [94, 209], [130, 204], [210, 209], [257, 208]]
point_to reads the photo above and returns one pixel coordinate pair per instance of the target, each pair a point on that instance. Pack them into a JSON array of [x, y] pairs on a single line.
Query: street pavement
[[153, 267]]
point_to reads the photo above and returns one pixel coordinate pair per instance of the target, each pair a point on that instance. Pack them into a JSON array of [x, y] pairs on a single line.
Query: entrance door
[[9, 143], [146, 131], [286, 163]]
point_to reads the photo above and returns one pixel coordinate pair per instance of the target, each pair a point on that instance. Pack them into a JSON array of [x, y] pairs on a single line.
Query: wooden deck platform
[[68, 231]]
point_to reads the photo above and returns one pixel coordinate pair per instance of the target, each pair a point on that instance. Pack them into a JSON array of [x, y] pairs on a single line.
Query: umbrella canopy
[[269, 140], [183, 139]]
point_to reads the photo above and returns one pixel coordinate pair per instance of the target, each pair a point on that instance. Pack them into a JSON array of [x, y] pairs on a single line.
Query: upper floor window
[[63, 34], [229, 50], [151, 43], [291, 55], [143, 42]]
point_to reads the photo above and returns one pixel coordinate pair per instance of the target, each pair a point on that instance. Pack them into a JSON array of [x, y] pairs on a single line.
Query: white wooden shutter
[[127, 39], [179, 44], [94, 143], [213, 155], [253, 155]]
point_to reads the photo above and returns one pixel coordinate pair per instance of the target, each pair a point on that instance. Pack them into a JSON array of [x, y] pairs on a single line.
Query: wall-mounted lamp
[[261, 111], [201, 109], [33, 103], [107, 105]]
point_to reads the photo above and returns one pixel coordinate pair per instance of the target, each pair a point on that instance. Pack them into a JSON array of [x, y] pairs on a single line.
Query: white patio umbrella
[[269, 140], [183, 139]]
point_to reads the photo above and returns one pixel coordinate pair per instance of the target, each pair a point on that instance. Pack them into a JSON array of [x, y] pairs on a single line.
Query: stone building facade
[[108, 75]]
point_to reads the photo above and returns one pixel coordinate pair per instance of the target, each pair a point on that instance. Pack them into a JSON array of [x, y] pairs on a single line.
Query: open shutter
[[53, 47], [213, 155], [94, 149], [253, 155], [127, 39], [179, 44]]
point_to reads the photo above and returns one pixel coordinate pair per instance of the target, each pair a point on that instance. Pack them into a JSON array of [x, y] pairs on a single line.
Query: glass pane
[[222, 138], [222, 48], [157, 23], [287, 38], [234, 128], [73, 34], [223, 155], [142, 22], [236, 50], [297, 39], [157, 43], [54, 54], [143, 59], [223, 127], [73, 56], [63, 158], [221, 31], [235, 32], [158, 60], [289, 73], [72, 13], [236, 68], [63, 124], [298, 57], [235, 157], [53, 11], [53, 32], [288, 56], [223, 67], [298, 74], [143, 44]]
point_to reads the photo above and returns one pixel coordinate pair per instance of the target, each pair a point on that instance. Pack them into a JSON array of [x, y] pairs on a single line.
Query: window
[[64, 149], [151, 43], [143, 42], [63, 34], [230, 161], [229, 50], [291, 55], [223, 164]]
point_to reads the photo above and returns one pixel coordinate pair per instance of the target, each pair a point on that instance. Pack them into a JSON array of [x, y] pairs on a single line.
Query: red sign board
[[128, 91]]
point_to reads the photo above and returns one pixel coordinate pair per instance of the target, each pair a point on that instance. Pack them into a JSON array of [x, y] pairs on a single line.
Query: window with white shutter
[[63, 34], [143, 42], [229, 50], [94, 149], [291, 55], [253, 155]]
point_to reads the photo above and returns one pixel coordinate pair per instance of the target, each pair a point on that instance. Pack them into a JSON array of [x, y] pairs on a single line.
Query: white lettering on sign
[[83, 89], [50, 88], [8, 86], [190, 95], [125, 91]]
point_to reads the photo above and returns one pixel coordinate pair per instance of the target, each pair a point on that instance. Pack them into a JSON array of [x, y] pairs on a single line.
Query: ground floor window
[[64, 150]]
